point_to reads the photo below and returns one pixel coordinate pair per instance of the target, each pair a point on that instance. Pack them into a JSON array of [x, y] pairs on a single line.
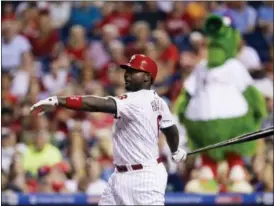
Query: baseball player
[[139, 178]]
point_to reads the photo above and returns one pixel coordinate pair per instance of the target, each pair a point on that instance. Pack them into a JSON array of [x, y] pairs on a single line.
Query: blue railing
[[171, 199]]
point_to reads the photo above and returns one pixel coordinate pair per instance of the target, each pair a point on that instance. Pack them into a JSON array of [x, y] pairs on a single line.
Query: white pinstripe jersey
[[140, 115]]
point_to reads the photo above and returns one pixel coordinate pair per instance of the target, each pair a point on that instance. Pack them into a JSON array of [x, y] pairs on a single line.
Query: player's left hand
[[179, 155], [44, 105]]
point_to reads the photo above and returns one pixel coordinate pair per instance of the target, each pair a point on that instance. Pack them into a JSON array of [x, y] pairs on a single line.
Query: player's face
[[134, 80]]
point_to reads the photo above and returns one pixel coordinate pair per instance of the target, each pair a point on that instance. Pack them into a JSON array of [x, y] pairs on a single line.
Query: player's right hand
[[44, 105], [179, 155]]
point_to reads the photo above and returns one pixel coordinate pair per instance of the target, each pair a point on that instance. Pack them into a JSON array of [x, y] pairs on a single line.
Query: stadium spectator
[[178, 21], [85, 14], [197, 12], [28, 17], [142, 33], [223, 172], [59, 13], [243, 16], [117, 52], [216, 7], [258, 164], [106, 10], [105, 146], [4, 180], [268, 177], [98, 50], [58, 77], [249, 57], [102, 152], [8, 12], [101, 124], [165, 6], [188, 62], [266, 18], [151, 51], [8, 141], [82, 185], [20, 83], [34, 91], [76, 151], [96, 185], [263, 172], [198, 41], [168, 61], [8, 117], [117, 57], [44, 180], [17, 179], [41, 124], [121, 16], [7, 96], [150, 14], [87, 74], [40, 153], [269, 65], [265, 85], [15, 48], [160, 83], [77, 45], [265, 13], [45, 40], [59, 179], [168, 53], [114, 85]]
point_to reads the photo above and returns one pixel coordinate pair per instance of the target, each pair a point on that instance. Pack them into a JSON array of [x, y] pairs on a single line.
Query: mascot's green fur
[[218, 101]]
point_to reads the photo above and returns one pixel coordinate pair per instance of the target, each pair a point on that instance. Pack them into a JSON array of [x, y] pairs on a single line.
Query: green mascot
[[219, 102]]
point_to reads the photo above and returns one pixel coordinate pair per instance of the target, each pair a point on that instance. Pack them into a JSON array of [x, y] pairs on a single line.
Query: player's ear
[[147, 77]]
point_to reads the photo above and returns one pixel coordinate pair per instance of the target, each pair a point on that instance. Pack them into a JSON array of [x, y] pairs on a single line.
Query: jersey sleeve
[[167, 119], [126, 106]]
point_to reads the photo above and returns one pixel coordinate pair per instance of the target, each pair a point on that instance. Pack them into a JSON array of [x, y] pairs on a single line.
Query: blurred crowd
[[68, 48]]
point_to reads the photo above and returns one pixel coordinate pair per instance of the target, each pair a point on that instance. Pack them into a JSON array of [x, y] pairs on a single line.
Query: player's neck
[[146, 86], [143, 88]]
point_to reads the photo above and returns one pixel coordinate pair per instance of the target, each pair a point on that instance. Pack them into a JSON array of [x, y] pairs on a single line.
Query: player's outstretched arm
[[89, 103], [172, 137], [79, 103]]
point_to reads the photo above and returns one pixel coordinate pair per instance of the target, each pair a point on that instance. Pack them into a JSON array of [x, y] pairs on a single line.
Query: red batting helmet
[[143, 63]]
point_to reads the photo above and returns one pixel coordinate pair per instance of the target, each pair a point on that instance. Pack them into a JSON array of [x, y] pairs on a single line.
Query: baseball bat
[[239, 139]]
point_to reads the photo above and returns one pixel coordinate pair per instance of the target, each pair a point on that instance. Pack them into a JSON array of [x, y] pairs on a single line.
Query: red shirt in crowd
[[171, 53], [177, 25], [122, 20], [43, 46], [77, 53]]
